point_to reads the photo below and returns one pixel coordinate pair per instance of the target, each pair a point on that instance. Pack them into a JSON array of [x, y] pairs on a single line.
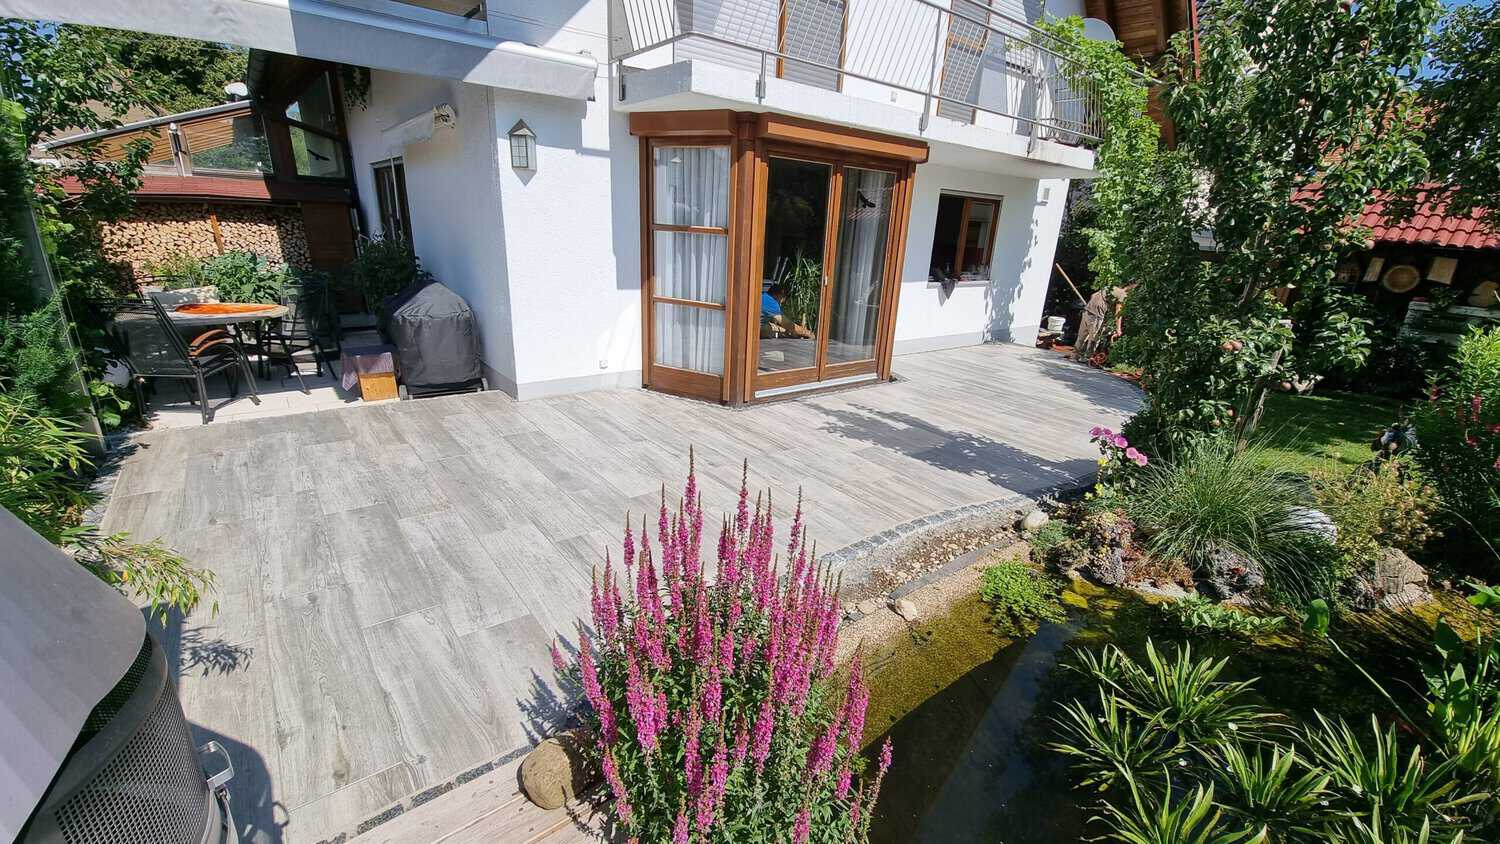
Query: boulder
[[1105, 566], [1315, 522], [1393, 580], [555, 772], [867, 606], [906, 609], [1033, 521], [1230, 574]]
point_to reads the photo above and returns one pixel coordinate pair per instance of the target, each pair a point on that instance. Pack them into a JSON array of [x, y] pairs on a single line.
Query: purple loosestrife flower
[[741, 745], [820, 755], [843, 781], [680, 829], [617, 787], [629, 551], [593, 692], [885, 760], [713, 696], [641, 700], [742, 513], [711, 801], [856, 700], [559, 665], [803, 827], [760, 741]]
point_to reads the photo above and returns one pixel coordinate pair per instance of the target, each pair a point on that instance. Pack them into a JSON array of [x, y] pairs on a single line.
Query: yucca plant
[[1194, 818], [1270, 786], [1378, 777], [1113, 744], [1374, 831], [1184, 695]]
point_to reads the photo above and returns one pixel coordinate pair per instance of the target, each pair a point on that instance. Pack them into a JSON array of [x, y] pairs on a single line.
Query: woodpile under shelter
[[232, 177]]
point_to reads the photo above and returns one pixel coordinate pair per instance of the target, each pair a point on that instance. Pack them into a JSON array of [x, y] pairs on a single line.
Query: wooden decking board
[[390, 576]]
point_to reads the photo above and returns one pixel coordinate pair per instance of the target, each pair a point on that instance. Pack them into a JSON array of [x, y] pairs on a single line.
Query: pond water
[[970, 761]]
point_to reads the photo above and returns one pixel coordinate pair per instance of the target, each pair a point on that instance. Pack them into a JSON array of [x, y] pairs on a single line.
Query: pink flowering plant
[[1120, 463], [715, 707]]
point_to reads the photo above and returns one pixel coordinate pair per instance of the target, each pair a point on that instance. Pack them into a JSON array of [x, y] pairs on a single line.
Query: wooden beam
[[675, 124], [778, 127]]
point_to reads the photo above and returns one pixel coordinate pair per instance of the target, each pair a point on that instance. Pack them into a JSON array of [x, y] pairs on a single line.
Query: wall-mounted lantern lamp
[[522, 146]]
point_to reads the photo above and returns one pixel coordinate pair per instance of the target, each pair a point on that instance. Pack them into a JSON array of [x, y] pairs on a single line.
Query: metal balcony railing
[[957, 59]]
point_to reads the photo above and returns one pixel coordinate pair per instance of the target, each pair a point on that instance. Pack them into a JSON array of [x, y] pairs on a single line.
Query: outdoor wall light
[[522, 146]]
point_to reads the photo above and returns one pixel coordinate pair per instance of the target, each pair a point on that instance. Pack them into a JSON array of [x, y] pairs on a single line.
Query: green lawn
[[1310, 431]]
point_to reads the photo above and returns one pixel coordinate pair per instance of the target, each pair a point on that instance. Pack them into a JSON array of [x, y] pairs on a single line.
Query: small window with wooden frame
[[390, 196], [963, 239]]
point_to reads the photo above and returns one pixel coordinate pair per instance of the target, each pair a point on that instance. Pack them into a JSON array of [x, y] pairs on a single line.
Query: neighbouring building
[[221, 179], [615, 185]]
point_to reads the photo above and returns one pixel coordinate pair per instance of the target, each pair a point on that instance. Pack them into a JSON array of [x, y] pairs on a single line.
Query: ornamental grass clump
[[716, 709]]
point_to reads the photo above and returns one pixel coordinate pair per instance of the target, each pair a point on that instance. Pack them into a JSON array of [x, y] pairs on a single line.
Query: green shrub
[[43, 481], [1458, 433], [1048, 538], [1215, 496], [244, 277], [1389, 506], [1019, 596], [1197, 614], [177, 271], [383, 268]]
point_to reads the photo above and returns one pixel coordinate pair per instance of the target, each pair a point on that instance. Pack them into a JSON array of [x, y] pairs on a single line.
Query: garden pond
[[969, 711]]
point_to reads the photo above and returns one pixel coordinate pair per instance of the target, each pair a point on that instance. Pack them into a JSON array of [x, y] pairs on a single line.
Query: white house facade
[[626, 191]]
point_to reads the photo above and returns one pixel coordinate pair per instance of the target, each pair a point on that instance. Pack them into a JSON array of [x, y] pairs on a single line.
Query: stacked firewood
[[159, 231]]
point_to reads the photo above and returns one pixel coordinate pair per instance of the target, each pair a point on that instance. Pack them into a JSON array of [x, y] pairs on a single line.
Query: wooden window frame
[[398, 196], [671, 379], [996, 202]]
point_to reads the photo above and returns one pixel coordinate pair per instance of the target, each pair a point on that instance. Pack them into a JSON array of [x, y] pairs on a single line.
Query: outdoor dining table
[[230, 315]]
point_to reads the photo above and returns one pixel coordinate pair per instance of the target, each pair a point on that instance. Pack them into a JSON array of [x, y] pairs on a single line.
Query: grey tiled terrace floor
[[389, 576]]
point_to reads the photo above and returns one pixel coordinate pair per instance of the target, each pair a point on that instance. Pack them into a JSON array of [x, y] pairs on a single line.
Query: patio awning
[[420, 128], [458, 49]]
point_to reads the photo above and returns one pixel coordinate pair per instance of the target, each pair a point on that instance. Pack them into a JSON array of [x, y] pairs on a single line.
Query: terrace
[[390, 576]]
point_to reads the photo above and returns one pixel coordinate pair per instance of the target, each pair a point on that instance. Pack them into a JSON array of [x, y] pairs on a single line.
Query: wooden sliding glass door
[[770, 252], [827, 228]]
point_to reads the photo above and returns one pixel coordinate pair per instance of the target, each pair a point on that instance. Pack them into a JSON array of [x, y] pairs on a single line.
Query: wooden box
[[377, 386]]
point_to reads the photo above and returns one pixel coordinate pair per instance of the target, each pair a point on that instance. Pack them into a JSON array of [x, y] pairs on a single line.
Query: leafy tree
[[1297, 112], [1463, 135], [174, 74], [60, 79]]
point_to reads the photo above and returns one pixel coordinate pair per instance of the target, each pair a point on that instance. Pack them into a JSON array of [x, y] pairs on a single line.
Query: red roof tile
[[1430, 225]]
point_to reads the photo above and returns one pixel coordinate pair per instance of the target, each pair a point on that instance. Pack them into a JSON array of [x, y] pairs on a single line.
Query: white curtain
[[691, 188], [860, 281]]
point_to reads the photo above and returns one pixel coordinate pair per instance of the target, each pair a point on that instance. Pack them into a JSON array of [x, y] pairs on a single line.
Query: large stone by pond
[[1393, 580], [1104, 539], [1229, 574]]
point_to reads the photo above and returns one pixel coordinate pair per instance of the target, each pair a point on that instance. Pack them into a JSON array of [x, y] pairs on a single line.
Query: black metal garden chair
[[302, 329], [151, 347]]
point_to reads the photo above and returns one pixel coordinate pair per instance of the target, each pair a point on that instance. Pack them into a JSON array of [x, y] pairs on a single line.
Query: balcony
[[966, 74]]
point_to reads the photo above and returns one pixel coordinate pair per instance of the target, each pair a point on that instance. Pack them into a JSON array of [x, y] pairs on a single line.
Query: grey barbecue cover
[[65, 640], [434, 334]]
